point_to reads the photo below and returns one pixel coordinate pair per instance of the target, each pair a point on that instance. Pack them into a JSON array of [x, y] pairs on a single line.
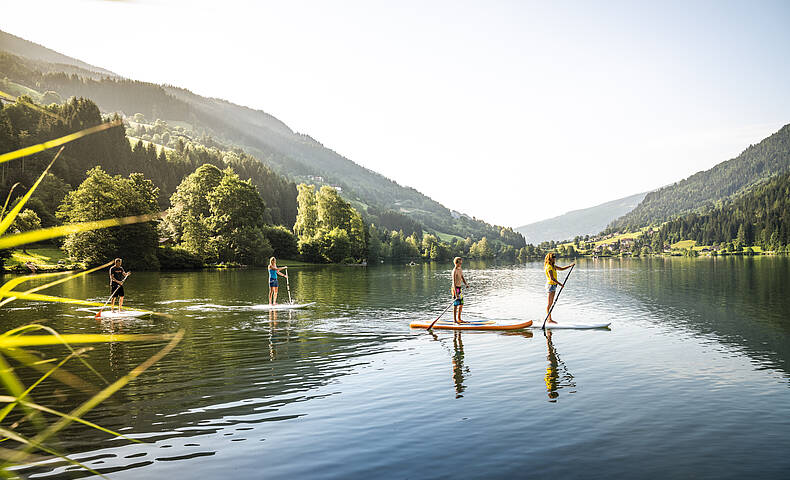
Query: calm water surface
[[691, 380]]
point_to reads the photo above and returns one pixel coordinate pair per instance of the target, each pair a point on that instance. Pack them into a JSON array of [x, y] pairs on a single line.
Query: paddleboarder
[[550, 268], [274, 285], [117, 277], [458, 296]]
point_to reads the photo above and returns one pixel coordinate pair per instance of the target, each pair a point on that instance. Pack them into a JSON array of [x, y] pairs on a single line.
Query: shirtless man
[[458, 278]]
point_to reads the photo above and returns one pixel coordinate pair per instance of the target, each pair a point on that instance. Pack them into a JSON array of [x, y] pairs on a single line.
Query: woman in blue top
[[273, 284]]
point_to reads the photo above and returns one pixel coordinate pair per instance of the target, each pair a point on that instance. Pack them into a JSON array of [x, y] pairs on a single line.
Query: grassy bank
[[44, 259]]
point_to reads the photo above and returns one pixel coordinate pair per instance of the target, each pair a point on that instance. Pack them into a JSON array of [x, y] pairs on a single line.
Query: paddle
[[98, 314], [557, 297], [288, 286], [440, 315]]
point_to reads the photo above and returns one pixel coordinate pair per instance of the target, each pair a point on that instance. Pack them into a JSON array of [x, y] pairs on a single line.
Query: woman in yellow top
[[550, 267]]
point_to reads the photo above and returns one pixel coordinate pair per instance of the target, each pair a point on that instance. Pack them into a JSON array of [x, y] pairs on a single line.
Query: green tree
[[283, 242], [236, 221], [481, 249], [412, 246], [311, 249], [189, 203], [374, 245], [318, 217], [45, 200], [100, 197], [356, 234], [657, 245], [428, 243], [333, 211], [773, 242], [337, 245], [740, 239], [26, 221], [306, 225], [196, 239]]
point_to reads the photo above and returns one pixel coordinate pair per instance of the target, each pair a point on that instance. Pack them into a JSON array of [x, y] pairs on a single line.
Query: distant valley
[[587, 221]]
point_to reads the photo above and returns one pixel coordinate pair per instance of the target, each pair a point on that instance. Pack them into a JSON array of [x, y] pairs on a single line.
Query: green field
[[614, 238], [683, 245], [19, 90], [41, 257], [446, 237]]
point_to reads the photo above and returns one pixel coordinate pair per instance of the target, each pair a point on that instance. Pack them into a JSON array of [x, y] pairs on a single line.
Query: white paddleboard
[[280, 306], [122, 314], [473, 324], [570, 325]]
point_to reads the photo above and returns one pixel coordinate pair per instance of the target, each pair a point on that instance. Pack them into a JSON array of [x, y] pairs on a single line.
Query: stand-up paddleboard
[[571, 325], [280, 306], [473, 325], [116, 314]]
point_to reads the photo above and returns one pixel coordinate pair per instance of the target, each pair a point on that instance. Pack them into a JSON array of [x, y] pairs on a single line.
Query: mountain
[[294, 155], [703, 189], [760, 216], [25, 48], [579, 222]]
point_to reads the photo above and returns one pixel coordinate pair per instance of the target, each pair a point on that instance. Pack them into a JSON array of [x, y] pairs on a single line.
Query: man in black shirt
[[117, 277]]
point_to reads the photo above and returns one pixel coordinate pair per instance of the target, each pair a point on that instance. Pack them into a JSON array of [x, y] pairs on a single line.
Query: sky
[[510, 111]]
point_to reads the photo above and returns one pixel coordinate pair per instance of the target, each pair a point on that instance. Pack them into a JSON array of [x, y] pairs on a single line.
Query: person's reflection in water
[[557, 374], [117, 352], [272, 326], [458, 365], [457, 361]]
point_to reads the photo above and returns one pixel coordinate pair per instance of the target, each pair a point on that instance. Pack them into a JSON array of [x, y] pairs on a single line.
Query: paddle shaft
[[288, 286], [556, 298], [440, 315], [98, 314]]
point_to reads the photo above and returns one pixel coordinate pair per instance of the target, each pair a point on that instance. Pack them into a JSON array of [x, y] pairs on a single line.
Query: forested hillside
[[759, 217], [298, 156], [586, 221], [22, 126], [701, 190], [20, 46]]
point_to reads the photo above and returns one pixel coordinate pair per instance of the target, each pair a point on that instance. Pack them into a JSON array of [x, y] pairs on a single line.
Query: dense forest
[[21, 126], [760, 217], [703, 189], [212, 214], [297, 156]]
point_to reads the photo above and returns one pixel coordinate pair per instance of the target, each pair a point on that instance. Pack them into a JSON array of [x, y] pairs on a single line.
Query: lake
[[692, 378]]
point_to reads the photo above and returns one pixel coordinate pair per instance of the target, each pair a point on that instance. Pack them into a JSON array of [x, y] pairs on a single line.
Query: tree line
[[293, 154], [760, 217], [21, 126], [213, 214]]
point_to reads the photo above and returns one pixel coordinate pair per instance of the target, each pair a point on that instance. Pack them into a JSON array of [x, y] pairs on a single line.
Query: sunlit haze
[[509, 111]]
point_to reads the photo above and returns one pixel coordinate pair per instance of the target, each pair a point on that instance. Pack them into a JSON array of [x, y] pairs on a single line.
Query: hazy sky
[[509, 111]]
